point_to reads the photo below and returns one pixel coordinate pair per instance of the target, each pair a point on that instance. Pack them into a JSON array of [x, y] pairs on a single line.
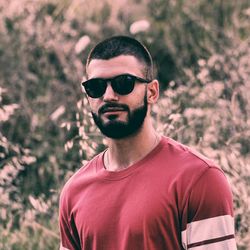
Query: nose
[[109, 94]]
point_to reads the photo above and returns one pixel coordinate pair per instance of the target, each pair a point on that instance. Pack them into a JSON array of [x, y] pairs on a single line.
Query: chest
[[143, 207]]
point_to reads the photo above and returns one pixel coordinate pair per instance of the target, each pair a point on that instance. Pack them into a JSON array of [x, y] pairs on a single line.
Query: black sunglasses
[[121, 84]]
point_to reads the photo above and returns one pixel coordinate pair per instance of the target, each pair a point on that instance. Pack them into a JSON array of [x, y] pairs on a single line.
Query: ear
[[153, 91]]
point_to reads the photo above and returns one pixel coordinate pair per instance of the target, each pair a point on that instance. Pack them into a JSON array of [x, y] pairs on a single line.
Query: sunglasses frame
[[112, 82]]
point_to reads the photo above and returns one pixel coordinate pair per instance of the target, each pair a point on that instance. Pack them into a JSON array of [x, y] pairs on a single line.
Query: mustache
[[107, 106]]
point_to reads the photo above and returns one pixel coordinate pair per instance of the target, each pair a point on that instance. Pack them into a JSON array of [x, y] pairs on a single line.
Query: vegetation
[[202, 53]]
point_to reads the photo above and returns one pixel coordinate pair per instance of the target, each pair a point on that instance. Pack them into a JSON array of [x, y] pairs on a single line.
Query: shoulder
[[71, 187], [184, 161], [193, 173], [179, 150]]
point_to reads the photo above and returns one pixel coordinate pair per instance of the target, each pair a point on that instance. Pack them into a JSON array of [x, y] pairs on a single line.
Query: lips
[[112, 108]]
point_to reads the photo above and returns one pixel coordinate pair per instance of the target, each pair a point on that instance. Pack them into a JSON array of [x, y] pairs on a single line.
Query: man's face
[[118, 116]]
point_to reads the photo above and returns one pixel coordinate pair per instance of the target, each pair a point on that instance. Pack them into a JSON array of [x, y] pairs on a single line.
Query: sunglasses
[[121, 84]]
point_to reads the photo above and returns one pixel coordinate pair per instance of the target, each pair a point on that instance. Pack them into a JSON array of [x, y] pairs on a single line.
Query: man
[[145, 191]]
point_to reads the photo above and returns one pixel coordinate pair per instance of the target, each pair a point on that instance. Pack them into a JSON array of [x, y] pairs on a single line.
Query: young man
[[145, 191]]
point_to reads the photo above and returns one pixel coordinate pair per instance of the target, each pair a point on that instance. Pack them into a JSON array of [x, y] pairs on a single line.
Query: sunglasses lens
[[95, 88], [123, 84]]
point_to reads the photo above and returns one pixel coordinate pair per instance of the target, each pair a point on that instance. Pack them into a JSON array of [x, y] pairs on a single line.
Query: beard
[[119, 129]]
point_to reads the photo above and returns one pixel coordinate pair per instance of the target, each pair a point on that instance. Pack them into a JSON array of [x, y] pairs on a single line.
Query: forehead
[[115, 66]]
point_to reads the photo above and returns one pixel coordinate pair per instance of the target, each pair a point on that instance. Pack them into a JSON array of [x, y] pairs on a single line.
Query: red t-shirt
[[172, 199]]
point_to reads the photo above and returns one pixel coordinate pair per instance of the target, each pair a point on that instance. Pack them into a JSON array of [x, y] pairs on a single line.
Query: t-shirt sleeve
[[68, 232], [208, 221]]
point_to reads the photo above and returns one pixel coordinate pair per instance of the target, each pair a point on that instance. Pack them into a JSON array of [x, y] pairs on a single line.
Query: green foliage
[[202, 55]]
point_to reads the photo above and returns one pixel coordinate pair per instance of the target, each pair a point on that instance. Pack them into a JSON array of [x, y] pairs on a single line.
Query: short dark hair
[[123, 45]]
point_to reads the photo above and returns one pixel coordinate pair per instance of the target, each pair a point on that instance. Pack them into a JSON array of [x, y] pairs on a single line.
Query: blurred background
[[201, 51]]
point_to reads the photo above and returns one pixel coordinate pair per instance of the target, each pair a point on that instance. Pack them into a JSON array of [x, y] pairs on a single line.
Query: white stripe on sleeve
[[204, 231], [222, 245]]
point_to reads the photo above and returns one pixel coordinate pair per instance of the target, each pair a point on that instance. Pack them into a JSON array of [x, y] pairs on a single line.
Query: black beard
[[117, 129]]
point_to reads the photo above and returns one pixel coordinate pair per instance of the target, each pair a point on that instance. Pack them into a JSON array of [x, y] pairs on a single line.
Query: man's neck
[[125, 152]]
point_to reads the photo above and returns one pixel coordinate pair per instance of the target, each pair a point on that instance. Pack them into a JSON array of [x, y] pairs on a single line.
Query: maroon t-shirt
[[172, 199]]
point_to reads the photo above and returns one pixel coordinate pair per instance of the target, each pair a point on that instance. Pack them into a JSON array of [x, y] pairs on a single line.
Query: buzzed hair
[[123, 45]]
